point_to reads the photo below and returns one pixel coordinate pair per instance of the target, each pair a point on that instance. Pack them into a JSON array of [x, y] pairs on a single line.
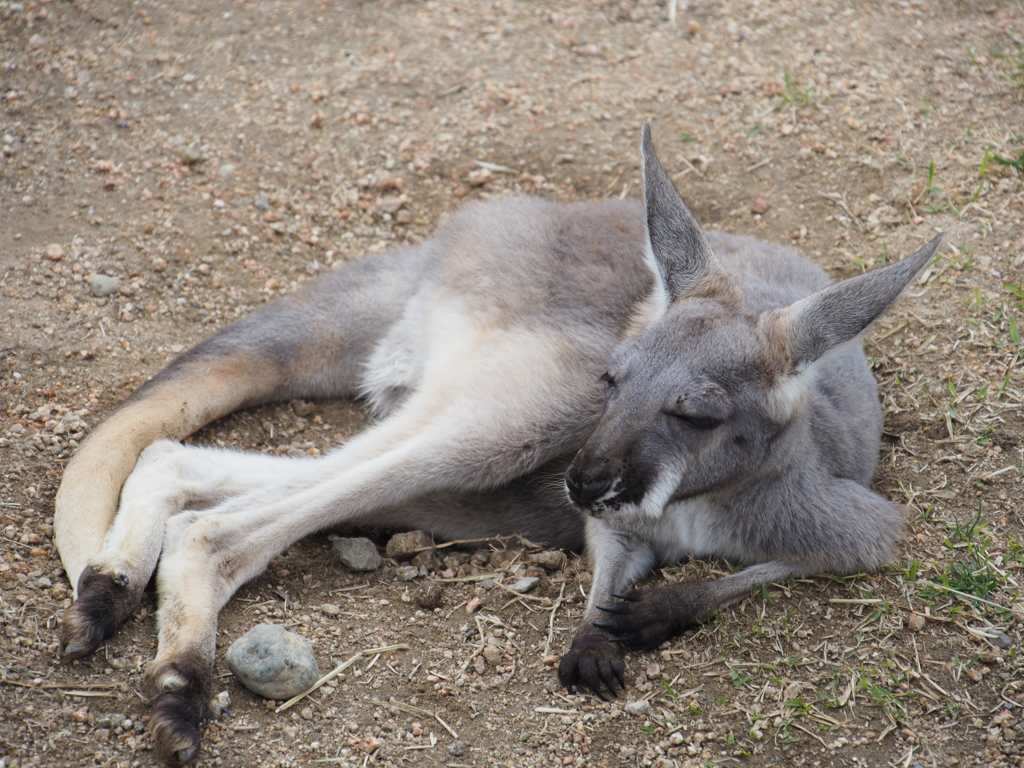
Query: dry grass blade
[[337, 671], [414, 710], [551, 621]]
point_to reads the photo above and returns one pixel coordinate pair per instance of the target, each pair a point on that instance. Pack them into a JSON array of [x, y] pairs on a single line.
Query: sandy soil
[[211, 156]]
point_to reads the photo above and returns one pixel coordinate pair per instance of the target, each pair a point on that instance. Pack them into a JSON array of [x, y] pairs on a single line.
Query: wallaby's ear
[[807, 329], [677, 251]]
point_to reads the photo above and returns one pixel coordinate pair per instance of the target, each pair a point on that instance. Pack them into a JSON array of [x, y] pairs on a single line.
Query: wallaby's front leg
[[595, 658], [645, 618]]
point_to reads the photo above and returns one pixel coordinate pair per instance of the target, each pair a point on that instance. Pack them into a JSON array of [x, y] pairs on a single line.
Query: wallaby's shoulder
[[767, 274], [524, 258]]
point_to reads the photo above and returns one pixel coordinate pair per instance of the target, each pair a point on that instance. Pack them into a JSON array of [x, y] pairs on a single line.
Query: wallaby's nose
[[585, 492]]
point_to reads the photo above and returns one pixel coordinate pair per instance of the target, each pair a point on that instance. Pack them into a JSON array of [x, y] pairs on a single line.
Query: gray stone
[[357, 554], [407, 572], [1000, 639], [402, 546], [191, 155], [272, 662], [102, 285], [524, 585], [638, 707]]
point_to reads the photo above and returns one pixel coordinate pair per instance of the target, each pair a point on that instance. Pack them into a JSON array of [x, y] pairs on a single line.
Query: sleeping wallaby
[[700, 394]]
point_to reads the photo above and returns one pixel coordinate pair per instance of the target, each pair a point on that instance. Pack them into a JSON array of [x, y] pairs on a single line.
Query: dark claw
[[74, 651], [593, 662], [621, 595]]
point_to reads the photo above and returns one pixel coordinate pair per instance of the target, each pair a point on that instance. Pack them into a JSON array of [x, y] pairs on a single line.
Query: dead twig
[[412, 710], [551, 621]]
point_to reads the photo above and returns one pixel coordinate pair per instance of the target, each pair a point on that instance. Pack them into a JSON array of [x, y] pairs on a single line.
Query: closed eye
[[700, 423]]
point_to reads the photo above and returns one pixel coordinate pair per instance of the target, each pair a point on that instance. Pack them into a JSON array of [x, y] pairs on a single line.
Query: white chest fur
[[689, 527]]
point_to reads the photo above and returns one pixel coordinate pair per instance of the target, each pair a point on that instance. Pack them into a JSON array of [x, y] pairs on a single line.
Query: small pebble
[[407, 572], [916, 622], [638, 708], [191, 155], [272, 662], [102, 285], [999, 639], [54, 252], [301, 407], [357, 554], [402, 546], [524, 585]]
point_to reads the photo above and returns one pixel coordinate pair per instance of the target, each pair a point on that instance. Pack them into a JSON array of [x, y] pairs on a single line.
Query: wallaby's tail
[[310, 345]]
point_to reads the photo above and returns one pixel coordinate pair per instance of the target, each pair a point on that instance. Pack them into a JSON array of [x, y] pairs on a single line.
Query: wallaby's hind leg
[[165, 480], [456, 438], [312, 344]]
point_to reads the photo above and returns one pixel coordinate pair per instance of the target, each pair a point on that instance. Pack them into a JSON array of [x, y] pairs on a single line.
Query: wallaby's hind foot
[[104, 603], [180, 692]]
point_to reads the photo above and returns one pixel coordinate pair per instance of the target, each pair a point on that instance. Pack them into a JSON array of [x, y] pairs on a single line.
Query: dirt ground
[[211, 156]]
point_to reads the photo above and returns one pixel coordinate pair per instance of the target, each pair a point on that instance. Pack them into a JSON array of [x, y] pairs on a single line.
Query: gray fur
[[742, 424]]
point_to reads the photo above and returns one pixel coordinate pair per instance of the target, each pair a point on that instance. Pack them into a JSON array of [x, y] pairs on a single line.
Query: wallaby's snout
[[593, 482], [585, 487], [609, 473]]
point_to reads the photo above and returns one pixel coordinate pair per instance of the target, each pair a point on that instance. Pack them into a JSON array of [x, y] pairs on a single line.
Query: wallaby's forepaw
[[180, 693], [104, 603], [594, 660], [645, 618]]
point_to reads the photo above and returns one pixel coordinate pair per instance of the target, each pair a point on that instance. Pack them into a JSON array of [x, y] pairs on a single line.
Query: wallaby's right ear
[[809, 328], [677, 251]]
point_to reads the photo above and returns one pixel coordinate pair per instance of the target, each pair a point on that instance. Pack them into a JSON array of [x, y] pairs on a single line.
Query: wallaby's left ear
[[809, 328], [678, 253]]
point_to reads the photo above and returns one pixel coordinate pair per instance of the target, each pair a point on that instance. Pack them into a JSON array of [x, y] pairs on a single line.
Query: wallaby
[[700, 394]]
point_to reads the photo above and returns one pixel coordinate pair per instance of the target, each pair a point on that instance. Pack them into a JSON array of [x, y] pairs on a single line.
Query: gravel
[[853, 132]]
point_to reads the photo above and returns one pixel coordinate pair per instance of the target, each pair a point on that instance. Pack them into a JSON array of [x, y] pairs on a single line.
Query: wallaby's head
[[696, 401]]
